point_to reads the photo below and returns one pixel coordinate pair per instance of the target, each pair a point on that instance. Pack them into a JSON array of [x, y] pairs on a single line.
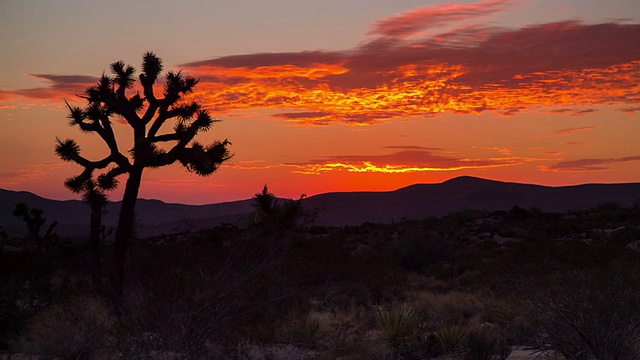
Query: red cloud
[[571, 130], [407, 159], [415, 21], [62, 86], [588, 164]]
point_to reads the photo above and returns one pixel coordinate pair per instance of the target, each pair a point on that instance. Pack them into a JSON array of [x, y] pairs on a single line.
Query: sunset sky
[[335, 95]]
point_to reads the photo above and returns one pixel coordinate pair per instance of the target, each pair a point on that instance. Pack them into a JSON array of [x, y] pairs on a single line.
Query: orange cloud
[[583, 165], [572, 130], [16, 174], [416, 21], [630, 110], [61, 86], [251, 165], [406, 160]]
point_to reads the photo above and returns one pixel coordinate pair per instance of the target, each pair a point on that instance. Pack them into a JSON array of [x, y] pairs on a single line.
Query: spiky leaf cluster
[[204, 160], [67, 150]]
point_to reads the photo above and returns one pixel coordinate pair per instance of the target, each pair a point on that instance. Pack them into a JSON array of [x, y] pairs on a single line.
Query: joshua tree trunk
[[126, 223], [96, 224]]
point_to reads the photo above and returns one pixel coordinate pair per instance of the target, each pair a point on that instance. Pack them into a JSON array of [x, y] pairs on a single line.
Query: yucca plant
[[398, 323], [452, 337], [486, 343]]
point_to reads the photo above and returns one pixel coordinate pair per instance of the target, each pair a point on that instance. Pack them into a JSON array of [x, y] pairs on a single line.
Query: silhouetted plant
[[34, 220], [145, 114], [273, 215]]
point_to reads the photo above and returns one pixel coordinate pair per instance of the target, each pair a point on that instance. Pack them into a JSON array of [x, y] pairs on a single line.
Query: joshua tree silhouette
[[145, 114], [34, 220]]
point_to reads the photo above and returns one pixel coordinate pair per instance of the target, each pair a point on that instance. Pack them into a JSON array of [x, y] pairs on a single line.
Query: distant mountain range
[[155, 217]]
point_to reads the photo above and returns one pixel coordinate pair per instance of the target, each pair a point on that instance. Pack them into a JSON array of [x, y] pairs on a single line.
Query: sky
[[334, 95]]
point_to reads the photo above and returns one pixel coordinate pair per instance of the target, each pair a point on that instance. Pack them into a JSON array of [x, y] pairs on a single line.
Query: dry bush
[[399, 323], [586, 315], [248, 351], [456, 307], [71, 329], [452, 337], [486, 342], [342, 332]]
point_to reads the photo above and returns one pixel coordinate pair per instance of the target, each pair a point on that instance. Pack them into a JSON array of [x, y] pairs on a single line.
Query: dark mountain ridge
[[339, 208]]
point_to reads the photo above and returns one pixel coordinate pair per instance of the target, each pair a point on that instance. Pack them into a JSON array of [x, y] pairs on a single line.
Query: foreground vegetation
[[466, 286]]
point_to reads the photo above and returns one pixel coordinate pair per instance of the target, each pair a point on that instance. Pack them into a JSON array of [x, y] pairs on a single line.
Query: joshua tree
[[34, 220], [145, 114], [273, 216]]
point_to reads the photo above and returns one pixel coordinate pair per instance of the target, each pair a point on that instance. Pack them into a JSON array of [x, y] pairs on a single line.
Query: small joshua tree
[[145, 114], [34, 220]]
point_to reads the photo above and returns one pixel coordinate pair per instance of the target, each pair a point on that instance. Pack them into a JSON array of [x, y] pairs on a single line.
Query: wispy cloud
[[15, 174], [181, 183], [572, 130], [630, 110], [406, 159], [60, 86], [588, 164], [433, 17], [251, 165]]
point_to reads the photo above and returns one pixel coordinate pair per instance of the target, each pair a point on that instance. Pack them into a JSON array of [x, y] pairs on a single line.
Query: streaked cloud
[[12, 174], [251, 165], [504, 151], [406, 159], [433, 17], [61, 86], [572, 130], [178, 182], [630, 110], [583, 165]]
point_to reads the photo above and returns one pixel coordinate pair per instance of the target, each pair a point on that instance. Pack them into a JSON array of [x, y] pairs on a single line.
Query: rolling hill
[[340, 208]]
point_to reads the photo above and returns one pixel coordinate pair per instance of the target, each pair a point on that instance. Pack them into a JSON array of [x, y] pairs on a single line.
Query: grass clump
[[452, 337], [398, 323]]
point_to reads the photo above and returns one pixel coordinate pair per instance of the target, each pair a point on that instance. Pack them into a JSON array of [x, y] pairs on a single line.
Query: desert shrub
[[399, 323], [340, 331], [452, 337], [70, 329], [180, 298], [249, 351], [453, 306], [486, 343], [585, 315], [414, 252]]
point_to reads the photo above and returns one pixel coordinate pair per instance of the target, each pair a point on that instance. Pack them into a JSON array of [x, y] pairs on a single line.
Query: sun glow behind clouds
[[366, 166]]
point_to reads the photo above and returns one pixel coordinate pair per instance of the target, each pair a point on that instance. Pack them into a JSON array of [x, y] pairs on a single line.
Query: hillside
[[462, 193], [337, 209]]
